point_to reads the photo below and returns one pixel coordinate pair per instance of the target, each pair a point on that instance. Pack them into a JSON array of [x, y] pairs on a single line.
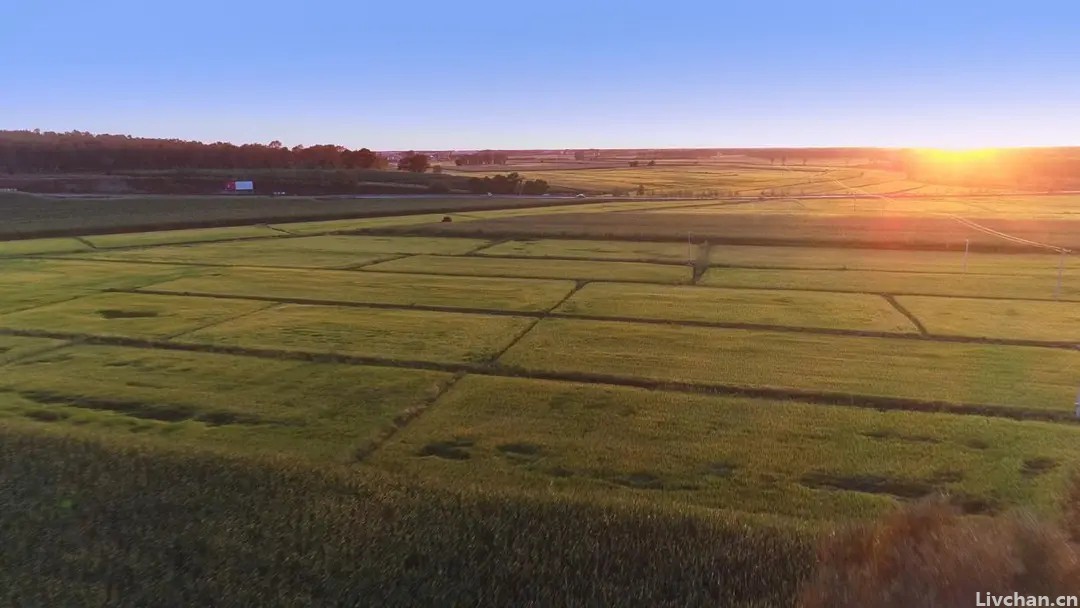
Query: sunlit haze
[[555, 74]]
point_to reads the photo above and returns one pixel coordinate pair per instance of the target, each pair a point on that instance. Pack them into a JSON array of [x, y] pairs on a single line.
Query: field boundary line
[[567, 258], [527, 278], [900, 308], [858, 333], [403, 419], [538, 318], [365, 264], [281, 230], [45, 351], [80, 258], [85, 242], [720, 239], [832, 398], [269, 306], [874, 270], [490, 243]]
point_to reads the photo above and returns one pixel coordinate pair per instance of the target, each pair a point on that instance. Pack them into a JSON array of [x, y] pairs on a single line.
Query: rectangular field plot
[[759, 307], [1042, 287], [541, 269], [328, 226], [27, 283], [770, 457], [415, 335], [606, 250], [39, 246], [15, 347], [1028, 377], [1015, 319], [129, 315], [830, 258], [194, 235], [244, 404], [301, 252], [377, 288]]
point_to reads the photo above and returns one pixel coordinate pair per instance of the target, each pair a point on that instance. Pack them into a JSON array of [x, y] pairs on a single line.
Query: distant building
[[240, 187]]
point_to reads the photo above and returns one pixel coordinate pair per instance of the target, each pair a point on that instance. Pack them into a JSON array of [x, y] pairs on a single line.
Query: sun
[[957, 156]]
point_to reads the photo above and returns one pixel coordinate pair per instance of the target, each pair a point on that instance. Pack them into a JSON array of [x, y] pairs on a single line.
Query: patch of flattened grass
[[47, 415], [454, 449], [871, 484], [521, 452], [1033, 467], [641, 480], [890, 434], [110, 313]]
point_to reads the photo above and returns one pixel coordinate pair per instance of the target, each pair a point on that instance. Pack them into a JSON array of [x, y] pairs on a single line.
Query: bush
[[930, 555]]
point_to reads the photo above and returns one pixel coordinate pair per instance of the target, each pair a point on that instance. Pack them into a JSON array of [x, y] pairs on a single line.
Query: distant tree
[[417, 163], [633, 163], [641, 189], [652, 163], [579, 155]]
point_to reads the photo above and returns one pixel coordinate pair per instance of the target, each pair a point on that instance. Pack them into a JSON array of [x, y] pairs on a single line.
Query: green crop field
[[1025, 377], [36, 246], [1018, 319], [825, 258], [376, 288], [26, 283], [18, 347], [759, 307], [764, 457], [195, 235], [312, 251], [1034, 286], [600, 250], [316, 410], [349, 394], [541, 269], [129, 315], [415, 335]]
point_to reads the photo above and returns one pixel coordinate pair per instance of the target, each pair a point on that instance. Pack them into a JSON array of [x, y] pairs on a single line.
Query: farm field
[[911, 231], [584, 249], [1011, 376], [768, 457], [725, 177], [404, 371], [316, 410], [737, 306], [1025, 320], [541, 269], [45, 216], [323, 251], [413, 335], [375, 288], [1041, 286]]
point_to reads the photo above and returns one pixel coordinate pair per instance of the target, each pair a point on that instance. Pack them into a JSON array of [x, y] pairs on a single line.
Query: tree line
[[511, 183], [42, 152], [487, 157]]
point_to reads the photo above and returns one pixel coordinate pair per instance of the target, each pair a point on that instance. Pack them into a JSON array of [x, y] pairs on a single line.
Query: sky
[[395, 75]]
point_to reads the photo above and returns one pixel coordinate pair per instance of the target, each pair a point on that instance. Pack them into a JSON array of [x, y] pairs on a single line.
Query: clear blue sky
[[539, 74]]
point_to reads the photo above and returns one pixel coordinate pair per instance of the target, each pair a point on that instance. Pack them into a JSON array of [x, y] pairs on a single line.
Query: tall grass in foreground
[[91, 524]]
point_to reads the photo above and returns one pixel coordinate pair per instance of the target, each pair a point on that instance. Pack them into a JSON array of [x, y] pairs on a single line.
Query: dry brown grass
[[931, 555]]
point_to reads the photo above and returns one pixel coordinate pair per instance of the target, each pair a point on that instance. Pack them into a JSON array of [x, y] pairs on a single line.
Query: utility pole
[[967, 245]]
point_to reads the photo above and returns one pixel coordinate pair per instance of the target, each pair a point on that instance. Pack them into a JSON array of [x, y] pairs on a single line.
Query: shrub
[[930, 555]]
